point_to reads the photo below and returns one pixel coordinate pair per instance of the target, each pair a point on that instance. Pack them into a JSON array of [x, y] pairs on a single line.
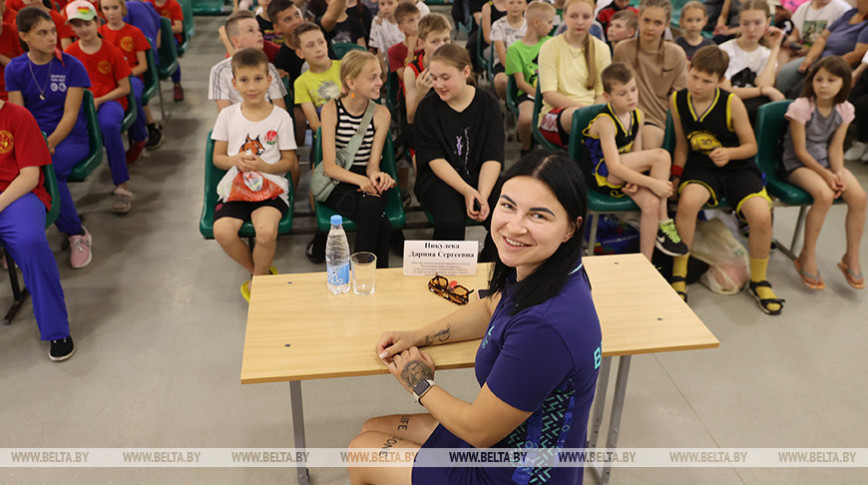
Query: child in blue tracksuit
[[51, 86], [23, 204]]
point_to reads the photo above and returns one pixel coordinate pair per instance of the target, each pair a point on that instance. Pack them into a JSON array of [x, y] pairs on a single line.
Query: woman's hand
[[805, 66], [477, 206], [366, 185], [412, 366], [721, 28], [382, 181], [392, 343]]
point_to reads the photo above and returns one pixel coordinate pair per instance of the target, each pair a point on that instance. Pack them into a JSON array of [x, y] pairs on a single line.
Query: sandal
[[855, 280], [765, 302], [245, 291], [678, 279], [813, 282]]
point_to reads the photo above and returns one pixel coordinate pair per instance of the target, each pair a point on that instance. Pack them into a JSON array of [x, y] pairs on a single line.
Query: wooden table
[[295, 328]]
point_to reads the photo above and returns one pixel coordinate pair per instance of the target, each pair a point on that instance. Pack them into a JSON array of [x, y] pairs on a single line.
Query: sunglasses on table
[[451, 291]]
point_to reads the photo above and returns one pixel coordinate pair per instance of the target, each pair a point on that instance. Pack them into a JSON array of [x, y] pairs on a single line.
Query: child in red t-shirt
[[171, 10], [7, 12], [10, 48], [23, 204], [65, 35], [133, 45], [108, 71]]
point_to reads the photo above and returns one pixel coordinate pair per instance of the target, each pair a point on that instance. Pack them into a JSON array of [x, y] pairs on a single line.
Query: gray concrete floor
[[158, 323]]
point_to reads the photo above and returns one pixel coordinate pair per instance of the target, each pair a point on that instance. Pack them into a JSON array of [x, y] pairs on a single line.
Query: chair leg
[[19, 295], [162, 107], [790, 251]]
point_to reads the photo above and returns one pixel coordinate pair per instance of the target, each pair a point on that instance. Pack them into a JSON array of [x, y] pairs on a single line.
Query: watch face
[[421, 387]]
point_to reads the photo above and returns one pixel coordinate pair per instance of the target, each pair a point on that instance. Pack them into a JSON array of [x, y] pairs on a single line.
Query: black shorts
[[523, 98], [498, 68], [737, 185], [242, 210]]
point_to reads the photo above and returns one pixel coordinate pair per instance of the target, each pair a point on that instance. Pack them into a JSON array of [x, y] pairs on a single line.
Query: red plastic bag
[[252, 187]]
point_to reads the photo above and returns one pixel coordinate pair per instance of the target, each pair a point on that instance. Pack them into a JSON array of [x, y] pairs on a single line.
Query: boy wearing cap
[[109, 75]]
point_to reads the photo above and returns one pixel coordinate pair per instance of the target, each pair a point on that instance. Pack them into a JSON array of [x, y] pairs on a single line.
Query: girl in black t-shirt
[[459, 145]]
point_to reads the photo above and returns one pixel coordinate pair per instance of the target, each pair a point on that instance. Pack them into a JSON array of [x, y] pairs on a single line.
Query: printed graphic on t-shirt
[[812, 29], [462, 148], [58, 83], [254, 145], [7, 141], [104, 67], [127, 43], [328, 91]]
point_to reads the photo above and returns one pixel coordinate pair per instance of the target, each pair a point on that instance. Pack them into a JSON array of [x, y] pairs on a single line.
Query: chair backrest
[[289, 99], [582, 117], [537, 107], [770, 130], [511, 95], [151, 77], [189, 23], [167, 52], [341, 49], [50, 184], [669, 134]]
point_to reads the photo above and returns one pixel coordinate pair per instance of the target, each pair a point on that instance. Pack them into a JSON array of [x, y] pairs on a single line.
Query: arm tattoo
[[439, 337], [416, 371]]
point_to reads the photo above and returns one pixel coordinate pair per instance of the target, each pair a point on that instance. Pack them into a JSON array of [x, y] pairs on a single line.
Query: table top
[[297, 330]]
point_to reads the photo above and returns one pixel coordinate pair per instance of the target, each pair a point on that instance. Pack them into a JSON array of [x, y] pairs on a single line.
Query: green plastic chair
[[341, 49], [152, 83], [168, 54], [19, 293], [208, 7], [771, 126], [132, 112], [394, 208], [212, 178], [537, 135], [94, 136], [481, 61], [512, 95], [289, 99], [598, 203], [189, 26]]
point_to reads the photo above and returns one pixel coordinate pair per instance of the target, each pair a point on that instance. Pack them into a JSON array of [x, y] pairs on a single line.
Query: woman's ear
[[571, 231]]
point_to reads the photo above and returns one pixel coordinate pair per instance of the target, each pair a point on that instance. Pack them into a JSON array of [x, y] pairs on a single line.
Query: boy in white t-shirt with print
[[256, 139], [505, 31]]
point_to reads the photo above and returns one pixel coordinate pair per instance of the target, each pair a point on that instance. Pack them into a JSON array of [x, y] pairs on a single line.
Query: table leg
[[298, 427], [599, 402], [603, 474]]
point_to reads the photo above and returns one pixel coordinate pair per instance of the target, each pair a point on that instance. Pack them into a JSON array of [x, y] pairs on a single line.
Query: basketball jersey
[[710, 130], [624, 138]]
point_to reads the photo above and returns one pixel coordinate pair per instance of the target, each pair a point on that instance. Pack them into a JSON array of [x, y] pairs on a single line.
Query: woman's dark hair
[[28, 17], [836, 66], [562, 176]]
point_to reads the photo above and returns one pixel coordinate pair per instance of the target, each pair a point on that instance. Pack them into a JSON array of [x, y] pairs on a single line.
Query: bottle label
[[339, 275]]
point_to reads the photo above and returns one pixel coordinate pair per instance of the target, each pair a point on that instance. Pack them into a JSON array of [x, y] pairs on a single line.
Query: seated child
[[617, 163], [751, 71], [604, 16], [133, 45], [322, 81], [23, 204], [403, 53], [243, 32], [434, 31], [384, 29], [813, 159], [809, 21], [858, 151], [361, 193], [65, 35], [714, 158], [622, 26], [725, 18], [252, 139], [141, 14], [171, 10], [521, 63], [108, 71], [266, 26], [569, 72], [693, 19], [10, 48], [59, 115], [504, 32], [346, 28]]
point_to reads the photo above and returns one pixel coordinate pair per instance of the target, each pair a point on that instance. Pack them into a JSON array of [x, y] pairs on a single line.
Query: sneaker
[[310, 252], [123, 200], [856, 152], [155, 138], [80, 254], [61, 349], [668, 241], [179, 93], [135, 151]]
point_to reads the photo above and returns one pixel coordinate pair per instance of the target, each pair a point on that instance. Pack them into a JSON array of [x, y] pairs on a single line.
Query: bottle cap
[[337, 220]]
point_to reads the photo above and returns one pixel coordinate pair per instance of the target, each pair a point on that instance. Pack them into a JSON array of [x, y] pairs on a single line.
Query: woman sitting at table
[[539, 358]]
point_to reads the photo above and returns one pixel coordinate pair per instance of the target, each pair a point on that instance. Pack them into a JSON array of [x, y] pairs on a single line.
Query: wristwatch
[[421, 388]]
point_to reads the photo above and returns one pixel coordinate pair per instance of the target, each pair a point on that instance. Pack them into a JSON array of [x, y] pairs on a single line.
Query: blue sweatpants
[[66, 155], [111, 115], [176, 76], [140, 126], [22, 231]]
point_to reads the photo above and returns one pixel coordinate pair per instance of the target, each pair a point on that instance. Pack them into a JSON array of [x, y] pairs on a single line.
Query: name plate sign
[[453, 258]]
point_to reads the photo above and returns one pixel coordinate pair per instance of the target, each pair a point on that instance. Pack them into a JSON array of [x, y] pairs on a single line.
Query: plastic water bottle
[[338, 258]]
